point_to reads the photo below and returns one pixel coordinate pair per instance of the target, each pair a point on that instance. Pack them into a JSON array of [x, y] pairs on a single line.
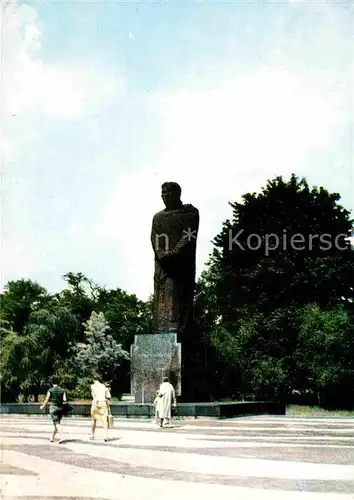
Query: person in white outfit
[[167, 401], [99, 408]]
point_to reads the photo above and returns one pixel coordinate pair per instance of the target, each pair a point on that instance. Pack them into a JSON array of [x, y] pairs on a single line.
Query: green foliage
[[9, 373], [325, 352], [49, 328], [100, 353], [269, 378], [234, 350], [126, 315], [281, 319], [82, 389], [79, 298], [265, 279], [19, 300], [257, 351], [24, 362]]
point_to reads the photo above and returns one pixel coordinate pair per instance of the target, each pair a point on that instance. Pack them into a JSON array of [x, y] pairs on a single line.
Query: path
[[266, 458]]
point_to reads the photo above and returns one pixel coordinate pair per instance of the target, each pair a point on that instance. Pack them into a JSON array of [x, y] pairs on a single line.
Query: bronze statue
[[173, 238]]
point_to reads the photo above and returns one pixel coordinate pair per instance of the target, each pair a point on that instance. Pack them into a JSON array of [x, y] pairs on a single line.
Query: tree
[[100, 353], [59, 327], [28, 360], [23, 361], [9, 375], [125, 313], [19, 300], [256, 351], [127, 316], [291, 250], [79, 297], [259, 276], [38, 332], [234, 350], [325, 354]]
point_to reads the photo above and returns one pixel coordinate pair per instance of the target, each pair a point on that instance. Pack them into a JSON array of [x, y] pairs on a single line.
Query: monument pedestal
[[197, 378], [153, 357]]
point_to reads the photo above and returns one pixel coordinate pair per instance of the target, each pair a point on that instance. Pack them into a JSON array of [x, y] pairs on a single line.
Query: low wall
[[136, 410]]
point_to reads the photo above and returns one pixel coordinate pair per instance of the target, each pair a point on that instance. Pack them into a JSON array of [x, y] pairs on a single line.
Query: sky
[[103, 101]]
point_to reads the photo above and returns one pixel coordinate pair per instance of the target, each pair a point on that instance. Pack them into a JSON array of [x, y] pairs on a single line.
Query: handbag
[[110, 418], [67, 408]]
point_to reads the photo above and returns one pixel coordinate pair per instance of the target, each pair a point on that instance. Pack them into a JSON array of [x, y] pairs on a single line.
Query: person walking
[[99, 408], [57, 397], [167, 401]]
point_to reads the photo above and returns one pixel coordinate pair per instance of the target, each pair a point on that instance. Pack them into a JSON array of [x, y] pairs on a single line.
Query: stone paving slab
[[247, 458]]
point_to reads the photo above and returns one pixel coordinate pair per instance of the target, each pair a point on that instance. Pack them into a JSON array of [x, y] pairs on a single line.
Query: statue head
[[171, 194]]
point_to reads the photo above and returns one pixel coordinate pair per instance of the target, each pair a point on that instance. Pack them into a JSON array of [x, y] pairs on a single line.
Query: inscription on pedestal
[[153, 357]]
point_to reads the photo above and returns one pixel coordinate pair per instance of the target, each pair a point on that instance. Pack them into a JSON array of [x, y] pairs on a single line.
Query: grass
[[316, 411]]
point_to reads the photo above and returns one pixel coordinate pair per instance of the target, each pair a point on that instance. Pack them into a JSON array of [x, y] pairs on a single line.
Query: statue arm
[[189, 236], [156, 238]]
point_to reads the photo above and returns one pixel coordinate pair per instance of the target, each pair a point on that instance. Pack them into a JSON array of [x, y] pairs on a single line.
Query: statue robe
[[173, 238]]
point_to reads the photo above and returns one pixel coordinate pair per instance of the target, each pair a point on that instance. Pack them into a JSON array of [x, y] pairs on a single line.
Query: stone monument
[[173, 237]]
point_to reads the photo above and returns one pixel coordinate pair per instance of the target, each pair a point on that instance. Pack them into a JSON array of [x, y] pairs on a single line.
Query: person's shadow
[[77, 440]]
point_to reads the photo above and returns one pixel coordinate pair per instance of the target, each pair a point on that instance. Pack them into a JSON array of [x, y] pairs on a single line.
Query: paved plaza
[[265, 457]]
